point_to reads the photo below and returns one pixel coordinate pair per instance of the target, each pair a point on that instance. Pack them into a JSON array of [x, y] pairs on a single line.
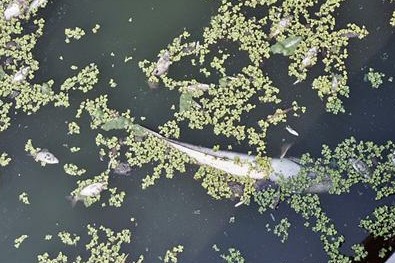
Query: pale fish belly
[[283, 168]]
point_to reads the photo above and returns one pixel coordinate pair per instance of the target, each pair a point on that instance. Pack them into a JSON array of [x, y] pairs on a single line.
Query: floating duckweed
[[24, 198], [233, 256], [4, 159], [281, 230], [171, 255], [73, 169], [392, 19], [104, 246], [68, 238], [18, 241], [75, 33], [95, 29], [375, 78], [83, 81], [75, 149], [381, 223], [73, 128], [116, 199], [29, 148], [112, 83]]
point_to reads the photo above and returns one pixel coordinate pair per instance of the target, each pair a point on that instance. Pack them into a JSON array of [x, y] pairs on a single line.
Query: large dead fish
[[237, 164]]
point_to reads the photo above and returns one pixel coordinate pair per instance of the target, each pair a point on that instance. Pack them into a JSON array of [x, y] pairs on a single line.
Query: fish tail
[[73, 200]]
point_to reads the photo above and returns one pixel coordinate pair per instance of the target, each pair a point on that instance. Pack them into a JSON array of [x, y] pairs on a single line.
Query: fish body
[[280, 26], [360, 167], [163, 64], [14, 9], [46, 157], [308, 59], [122, 169], [198, 86], [36, 4], [291, 131], [21, 75], [243, 165], [92, 189], [88, 191]]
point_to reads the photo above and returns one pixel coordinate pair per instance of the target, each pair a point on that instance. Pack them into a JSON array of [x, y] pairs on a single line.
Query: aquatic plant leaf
[[186, 102], [277, 48], [139, 130], [116, 124], [286, 47]]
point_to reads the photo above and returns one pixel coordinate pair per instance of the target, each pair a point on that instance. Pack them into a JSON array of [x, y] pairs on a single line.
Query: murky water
[[177, 211]]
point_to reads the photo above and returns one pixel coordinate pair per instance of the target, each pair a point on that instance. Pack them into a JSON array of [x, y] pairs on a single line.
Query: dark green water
[[166, 213]]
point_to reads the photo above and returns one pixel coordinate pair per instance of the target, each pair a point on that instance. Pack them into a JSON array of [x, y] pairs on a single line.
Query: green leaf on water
[[286, 47], [186, 102], [116, 124]]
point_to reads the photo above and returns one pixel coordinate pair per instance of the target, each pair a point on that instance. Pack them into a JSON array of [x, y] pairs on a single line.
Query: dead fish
[[307, 61], [163, 64], [350, 34], [46, 157], [14, 9], [21, 75], [36, 4], [122, 169], [360, 167], [198, 86], [88, 191], [335, 82], [291, 131], [280, 26], [191, 47]]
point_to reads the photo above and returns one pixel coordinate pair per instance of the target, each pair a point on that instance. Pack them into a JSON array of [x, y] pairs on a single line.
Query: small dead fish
[[198, 86], [21, 75], [191, 47], [350, 34], [36, 4], [46, 157], [291, 131], [280, 26], [360, 167], [122, 169], [88, 191], [335, 82], [163, 64], [309, 57]]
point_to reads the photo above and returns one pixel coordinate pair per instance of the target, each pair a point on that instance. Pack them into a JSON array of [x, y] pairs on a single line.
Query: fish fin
[[284, 149], [72, 199]]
